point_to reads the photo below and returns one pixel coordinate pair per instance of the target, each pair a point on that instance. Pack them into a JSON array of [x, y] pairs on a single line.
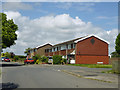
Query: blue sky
[[99, 13], [60, 21]]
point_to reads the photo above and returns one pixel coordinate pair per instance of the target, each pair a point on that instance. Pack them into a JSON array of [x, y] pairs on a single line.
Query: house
[[39, 50], [89, 49]]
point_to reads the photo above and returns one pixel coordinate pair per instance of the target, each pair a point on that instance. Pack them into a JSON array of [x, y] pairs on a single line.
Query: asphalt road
[[36, 76]]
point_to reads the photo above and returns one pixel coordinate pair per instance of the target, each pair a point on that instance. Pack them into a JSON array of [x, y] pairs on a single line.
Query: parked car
[[29, 60], [2, 59], [6, 59], [50, 60]]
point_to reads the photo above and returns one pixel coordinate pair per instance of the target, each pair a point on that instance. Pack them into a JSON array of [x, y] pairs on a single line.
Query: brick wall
[[91, 59], [86, 47], [63, 52], [88, 53]]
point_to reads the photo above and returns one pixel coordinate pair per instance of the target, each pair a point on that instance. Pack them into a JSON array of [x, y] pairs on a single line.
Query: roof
[[76, 40], [69, 41], [43, 45], [91, 36]]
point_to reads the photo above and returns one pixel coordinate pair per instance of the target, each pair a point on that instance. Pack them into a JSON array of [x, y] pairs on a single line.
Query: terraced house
[[89, 49]]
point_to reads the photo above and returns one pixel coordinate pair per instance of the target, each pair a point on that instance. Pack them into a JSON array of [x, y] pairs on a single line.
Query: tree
[[12, 54], [8, 31], [27, 51], [117, 42], [115, 54]]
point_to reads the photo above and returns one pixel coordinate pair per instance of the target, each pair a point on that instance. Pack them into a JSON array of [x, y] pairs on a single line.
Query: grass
[[92, 65], [111, 71]]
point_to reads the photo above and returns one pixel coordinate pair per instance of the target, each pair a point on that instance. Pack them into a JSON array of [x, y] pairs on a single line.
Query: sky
[[54, 22]]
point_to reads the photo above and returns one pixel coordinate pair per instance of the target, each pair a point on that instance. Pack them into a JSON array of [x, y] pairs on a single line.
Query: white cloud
[[54, 29], [16, 6], [79, 6]]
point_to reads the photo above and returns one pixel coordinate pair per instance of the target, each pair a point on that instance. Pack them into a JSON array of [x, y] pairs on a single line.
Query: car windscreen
[[30, 59], [6, 58]]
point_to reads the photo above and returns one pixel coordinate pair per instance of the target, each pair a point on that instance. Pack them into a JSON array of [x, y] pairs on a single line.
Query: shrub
[[44, 59], [57, 59], [38, 61], [36, 57], [65, 60]]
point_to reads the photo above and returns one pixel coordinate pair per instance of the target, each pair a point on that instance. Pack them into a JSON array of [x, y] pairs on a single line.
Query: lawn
[[92, 65]]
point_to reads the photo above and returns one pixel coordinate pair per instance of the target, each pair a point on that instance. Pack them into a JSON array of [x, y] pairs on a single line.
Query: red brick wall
[[91, 59], [88, 53], [46, 54], [50, 53], [98, 48], [56, 53], [63, 52]]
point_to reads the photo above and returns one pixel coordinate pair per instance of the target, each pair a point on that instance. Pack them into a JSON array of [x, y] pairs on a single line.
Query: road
[[37, 76]]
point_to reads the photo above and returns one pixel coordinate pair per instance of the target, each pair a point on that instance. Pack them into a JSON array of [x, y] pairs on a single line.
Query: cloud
[[54, 29], [14, 6], [64, 5], [110, 20], [79, 6]]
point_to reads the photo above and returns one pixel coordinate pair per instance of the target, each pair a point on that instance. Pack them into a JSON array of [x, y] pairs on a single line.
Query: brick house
[[89, 49], [39, 50]]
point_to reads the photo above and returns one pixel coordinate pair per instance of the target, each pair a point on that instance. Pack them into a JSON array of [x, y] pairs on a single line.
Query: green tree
[[8, 31], [7, 55], [117, 42], [27, 51], [115, 54]]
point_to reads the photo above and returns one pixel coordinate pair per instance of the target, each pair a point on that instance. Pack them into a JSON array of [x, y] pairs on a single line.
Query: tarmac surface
[[15, 75]]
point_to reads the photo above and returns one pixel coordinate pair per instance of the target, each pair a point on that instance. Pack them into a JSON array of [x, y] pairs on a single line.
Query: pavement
[[89, 73], [56, 76]]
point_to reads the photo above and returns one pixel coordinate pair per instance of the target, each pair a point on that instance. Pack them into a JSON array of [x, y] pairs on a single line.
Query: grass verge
[[111, 71], [92, 65]]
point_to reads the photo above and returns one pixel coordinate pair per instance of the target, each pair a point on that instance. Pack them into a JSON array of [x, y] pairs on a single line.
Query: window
[[74, 45], [63, 47], [50, 50], [66, 46], [71, 46], [57, 48], [54, 49]]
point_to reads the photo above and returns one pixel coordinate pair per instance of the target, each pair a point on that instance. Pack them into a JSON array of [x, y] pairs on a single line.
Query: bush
[[44, 59], [64, 60], [36, 57], [16, 57], [38, 61], [57, 59]]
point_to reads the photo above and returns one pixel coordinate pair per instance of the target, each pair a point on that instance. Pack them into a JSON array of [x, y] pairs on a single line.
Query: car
[[2, 59], [29, 60], [50, 60], [6, 59]]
